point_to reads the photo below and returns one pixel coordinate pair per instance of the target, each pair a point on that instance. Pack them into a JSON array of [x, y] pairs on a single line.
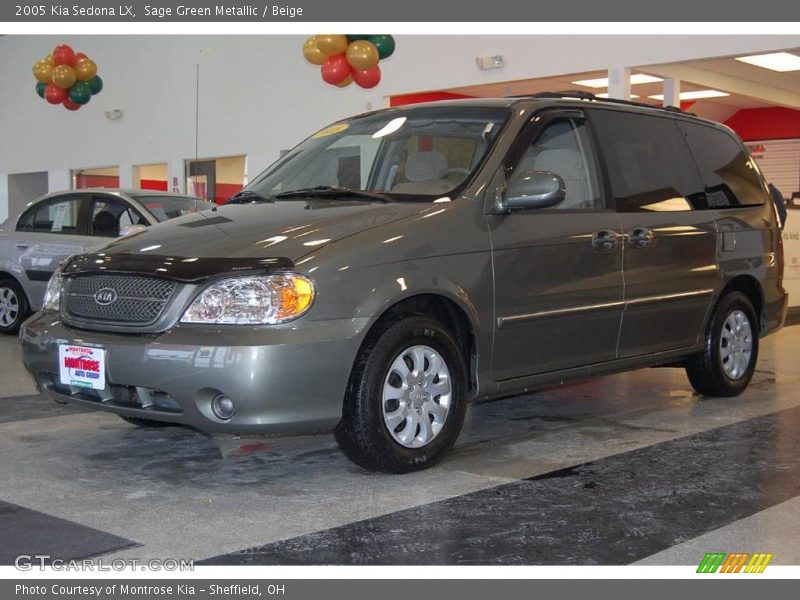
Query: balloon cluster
[[344, 59], [66, 77]]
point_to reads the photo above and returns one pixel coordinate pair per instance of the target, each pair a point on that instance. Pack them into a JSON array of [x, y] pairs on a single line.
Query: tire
[[14, 307], [146, 422], [715, 371], [364, 433]]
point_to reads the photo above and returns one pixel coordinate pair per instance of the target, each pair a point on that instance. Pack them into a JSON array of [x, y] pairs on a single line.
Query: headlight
[[263, 300], [52, 296]]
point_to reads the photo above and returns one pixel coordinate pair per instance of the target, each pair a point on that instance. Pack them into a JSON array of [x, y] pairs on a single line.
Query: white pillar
[[3, 197], [619, 83], [125, 176], [672, 92], [58, 180], [176, 182]]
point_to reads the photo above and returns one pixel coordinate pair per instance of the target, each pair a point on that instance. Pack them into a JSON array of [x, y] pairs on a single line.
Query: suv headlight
[[261, 300], [52, 296]]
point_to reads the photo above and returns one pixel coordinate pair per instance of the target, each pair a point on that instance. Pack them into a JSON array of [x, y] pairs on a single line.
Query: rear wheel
[[13, 306], [407, 397], [728, 360]]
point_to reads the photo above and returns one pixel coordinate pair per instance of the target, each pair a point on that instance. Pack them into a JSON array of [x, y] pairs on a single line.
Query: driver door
[[557, 271]]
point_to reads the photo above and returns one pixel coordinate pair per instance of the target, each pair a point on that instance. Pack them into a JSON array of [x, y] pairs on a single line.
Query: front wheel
[[13, 306], [728, 359], [406, 399]]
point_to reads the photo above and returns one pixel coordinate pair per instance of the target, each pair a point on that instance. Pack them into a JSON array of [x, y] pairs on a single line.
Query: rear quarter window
[[729, 175]]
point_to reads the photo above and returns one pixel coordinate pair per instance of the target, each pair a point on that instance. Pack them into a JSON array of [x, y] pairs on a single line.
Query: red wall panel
[[770, 123]]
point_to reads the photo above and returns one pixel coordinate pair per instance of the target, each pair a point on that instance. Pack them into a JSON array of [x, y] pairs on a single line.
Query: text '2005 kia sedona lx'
[[397, 265]]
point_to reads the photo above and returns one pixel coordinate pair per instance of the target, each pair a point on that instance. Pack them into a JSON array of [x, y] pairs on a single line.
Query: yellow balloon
[[43, 71], [331, 44], [85, 69], [311, 53], [63, 76], [346, 82], [362, 55], [50, 60]]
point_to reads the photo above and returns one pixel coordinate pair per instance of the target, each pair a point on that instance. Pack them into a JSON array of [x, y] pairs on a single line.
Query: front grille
[[139, 299]]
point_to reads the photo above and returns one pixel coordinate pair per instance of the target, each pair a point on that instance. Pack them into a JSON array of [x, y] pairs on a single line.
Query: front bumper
[[284, 379]]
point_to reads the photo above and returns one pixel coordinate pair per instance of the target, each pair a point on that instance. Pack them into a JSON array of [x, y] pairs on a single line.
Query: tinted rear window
[[649, 164], [730, 177]]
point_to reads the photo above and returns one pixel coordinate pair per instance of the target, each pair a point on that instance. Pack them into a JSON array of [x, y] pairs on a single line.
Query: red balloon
[[64, 55], [80, 56], [335, 69], [368, 78], [53, 94], [70, 105]]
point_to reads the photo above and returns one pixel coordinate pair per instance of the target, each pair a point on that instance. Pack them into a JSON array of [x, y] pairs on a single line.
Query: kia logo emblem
[[105, 296]]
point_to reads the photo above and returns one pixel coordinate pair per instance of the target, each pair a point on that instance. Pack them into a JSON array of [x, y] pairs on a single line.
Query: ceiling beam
[[726, 83]]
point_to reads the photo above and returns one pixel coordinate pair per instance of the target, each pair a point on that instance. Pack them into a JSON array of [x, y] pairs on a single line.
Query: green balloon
[[80, 93], [384, 43], [40, 88], [356, 37], [95, 84]]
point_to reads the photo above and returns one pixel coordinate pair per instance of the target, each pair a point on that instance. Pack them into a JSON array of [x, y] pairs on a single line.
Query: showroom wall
[[258, 96]]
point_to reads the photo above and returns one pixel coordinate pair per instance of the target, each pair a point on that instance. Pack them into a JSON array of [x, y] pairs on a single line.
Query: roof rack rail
[[581, 95]]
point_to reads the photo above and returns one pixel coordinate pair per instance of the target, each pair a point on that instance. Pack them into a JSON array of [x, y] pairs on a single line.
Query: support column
[[619, 83], [58, 180], [175, 174], [672, 92], [125, 176]]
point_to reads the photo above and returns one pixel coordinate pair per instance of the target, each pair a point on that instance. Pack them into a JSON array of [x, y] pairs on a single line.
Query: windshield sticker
[[332, 130]]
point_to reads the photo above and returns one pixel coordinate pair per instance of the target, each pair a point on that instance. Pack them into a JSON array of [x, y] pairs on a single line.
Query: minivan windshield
[[414, 154]]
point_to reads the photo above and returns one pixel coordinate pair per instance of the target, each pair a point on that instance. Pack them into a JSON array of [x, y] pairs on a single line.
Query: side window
[[108, 215], [52, 216], [563, 149], [650, 167], [729, 174]]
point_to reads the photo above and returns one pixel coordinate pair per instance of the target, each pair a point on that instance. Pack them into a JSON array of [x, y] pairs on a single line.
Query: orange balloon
[[43, 71], [346, 82], [85, 69], [63, 76], [311, 53], [331, 44], [362, 55]]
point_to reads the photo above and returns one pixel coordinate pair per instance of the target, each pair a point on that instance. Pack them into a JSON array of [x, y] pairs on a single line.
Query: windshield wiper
[[247, 197], [333, 192]]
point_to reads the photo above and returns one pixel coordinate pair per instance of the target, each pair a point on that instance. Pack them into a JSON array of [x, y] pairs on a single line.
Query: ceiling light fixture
[[775, 61], [605, 95], [636, 79], [695, 95]]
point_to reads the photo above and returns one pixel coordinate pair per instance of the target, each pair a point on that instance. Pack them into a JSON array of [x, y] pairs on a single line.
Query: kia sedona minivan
[[400, 264]]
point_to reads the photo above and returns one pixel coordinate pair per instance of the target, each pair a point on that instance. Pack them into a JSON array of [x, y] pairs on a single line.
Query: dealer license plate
[[82, 366]]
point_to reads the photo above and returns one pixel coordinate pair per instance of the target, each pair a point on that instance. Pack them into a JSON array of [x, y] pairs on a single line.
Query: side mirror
[[534, 189], [127, 230]]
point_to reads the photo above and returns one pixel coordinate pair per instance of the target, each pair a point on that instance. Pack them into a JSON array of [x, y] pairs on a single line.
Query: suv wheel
[[13, 306], [728, 360], [406, 399]]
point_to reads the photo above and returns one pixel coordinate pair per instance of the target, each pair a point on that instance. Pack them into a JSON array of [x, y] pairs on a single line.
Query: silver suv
[[61, 224], [397, 265]]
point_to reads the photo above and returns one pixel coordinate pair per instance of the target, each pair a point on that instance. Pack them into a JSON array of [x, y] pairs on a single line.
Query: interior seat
[[105, 224], [426, 172]]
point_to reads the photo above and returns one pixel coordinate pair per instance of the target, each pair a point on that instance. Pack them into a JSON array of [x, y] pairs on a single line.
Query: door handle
[[640, 237], [604, 240], [21, 245]]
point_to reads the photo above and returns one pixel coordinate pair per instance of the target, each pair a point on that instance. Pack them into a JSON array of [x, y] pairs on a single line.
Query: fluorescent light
[[696, 95], [636, 78], [777, 61], [605, 95]]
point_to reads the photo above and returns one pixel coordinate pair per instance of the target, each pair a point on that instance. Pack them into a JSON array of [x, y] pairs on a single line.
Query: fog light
[[222, 407]]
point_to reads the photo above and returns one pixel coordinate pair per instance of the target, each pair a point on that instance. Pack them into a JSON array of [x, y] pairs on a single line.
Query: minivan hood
[[286, 228]]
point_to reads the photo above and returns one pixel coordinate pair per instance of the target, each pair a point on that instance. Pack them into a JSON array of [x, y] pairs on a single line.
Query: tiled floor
[[621, 469]]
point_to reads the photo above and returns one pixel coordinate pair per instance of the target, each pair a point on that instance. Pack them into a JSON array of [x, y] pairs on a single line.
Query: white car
[[57, 225]]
